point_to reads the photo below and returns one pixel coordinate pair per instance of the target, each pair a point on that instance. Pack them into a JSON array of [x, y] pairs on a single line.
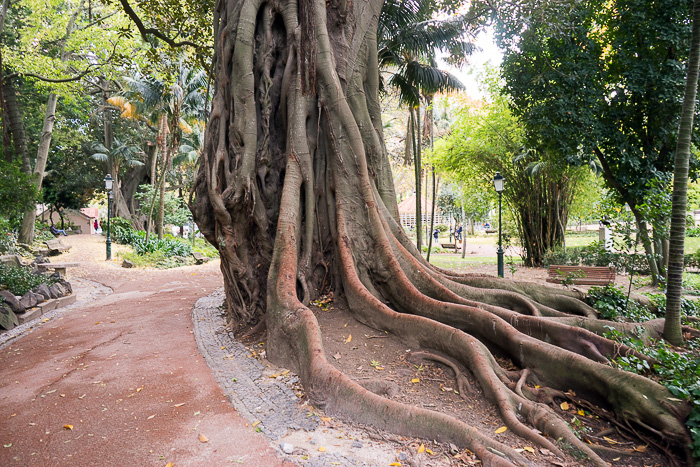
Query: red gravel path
[[119, 380]]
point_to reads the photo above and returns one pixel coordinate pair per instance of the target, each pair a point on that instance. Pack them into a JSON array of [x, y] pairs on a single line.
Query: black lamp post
[[110, 197], [498, 182]]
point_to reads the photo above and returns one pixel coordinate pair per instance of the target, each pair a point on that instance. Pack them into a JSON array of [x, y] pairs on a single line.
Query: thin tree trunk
[[432, 216], [165, 156], [415, 141], [464, 233], [26, 232], [674, 285], [5, 133]]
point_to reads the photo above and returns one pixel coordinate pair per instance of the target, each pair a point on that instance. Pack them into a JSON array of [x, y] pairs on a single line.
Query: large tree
[[295, 191], [605, 80]]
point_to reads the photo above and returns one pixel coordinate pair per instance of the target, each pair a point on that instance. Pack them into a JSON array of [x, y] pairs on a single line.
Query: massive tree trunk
[[287, 190]]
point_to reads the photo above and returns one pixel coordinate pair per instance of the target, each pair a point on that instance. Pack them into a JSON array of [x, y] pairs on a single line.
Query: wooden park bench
[[60, 268], [199, 258], [56, 246], [584, 275]]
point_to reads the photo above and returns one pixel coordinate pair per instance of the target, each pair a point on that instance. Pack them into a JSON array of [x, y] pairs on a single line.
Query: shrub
[[612, 303], [168, 246], [688, 307], [692, 232], [570, 257], [22, 279], [679, 372]]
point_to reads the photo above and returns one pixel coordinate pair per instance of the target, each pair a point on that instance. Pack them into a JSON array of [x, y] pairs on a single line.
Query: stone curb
[[266, 395], [88, 290], [45, 307]]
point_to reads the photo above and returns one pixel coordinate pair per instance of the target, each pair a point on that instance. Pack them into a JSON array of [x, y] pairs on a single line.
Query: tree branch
[[152, 31]]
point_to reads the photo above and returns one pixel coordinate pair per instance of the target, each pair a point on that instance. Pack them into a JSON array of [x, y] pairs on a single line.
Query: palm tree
[[121, 154], [407, 38], [674, 286], [166, 106]]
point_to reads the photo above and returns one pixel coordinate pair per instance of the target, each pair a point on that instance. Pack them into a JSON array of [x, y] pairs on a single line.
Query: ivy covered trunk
[[295, 190]]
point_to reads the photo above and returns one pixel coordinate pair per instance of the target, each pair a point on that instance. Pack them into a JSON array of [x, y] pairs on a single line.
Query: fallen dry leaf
[[203, 438], [564, 406], [170, 464], [429, 451], [321, 449], [256, 423], [139, 389], [151, 417], [378, 367], [641, 449], [326, 419], [501, 429], [68, 427], [611, 441], [179, 405], [348, 339], [529, 449], [337, 356], [581, 412], [421, 448], [396, 463], [415, 380]]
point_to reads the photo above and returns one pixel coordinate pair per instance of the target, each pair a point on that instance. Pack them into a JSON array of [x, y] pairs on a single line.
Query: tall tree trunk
[[165, 156], [26, 232], [417, 164], [432, 214], [674, 286], [464, 233], [16, 125], [329, 230]]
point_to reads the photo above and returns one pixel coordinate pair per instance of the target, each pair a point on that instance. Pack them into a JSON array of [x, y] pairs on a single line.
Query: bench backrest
[[591, 272]]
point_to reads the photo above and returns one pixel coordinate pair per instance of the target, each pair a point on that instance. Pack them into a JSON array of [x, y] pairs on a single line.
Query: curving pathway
[[116, 379]]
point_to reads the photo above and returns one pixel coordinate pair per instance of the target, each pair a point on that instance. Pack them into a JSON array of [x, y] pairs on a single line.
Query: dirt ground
[[124, 373]]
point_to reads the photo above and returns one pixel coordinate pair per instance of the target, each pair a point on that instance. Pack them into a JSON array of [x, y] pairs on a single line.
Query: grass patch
[[157, 259]]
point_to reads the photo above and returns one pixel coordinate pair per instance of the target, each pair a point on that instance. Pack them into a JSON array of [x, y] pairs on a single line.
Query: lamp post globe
[[499, 184]]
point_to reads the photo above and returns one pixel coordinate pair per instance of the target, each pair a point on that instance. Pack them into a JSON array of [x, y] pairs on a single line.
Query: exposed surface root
[[462, 382]]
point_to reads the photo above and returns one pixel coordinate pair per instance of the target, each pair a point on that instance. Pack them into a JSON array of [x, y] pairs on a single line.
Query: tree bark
[[292, 108], [16, 126], [26, 232], [674, 286]]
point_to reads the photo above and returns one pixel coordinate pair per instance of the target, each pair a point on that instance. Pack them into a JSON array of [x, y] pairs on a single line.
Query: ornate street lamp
[[498, 182], [110, 196]]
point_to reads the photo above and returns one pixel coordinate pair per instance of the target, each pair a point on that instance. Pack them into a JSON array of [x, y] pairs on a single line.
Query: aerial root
[[521, 380], [463, 384]]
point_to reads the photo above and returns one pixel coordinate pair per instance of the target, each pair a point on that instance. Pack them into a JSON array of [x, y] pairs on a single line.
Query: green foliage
[[175, 211], [572, 256], [612, 304], [22, 279], [408, 34], [678, 371], [204, 247], [17, 192], [168, 247], [158, 259], [693, 232], [538, 189]]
